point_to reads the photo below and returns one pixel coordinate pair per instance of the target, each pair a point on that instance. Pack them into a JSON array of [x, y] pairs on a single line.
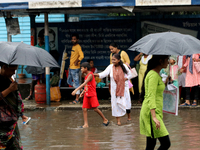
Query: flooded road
[[60, 130]]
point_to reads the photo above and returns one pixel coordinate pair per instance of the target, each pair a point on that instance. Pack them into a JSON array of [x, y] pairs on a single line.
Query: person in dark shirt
[[10, 109]]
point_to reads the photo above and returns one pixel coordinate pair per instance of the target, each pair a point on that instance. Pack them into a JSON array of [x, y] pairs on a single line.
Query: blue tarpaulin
[[10, 6]]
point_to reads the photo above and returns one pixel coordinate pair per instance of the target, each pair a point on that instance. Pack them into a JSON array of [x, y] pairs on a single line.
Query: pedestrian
[[172, 70], [25, 119], [120, 95], [143, 58], [36, 77], [93, 69], [192, 79], [114, 48], [74, 67], [151, 114], [90, 100], [181, 60], [10, 109]]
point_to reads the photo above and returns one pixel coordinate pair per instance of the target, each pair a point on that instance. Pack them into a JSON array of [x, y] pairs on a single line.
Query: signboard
[[95, 38], [36, 4], [12, 26], [161, 2]]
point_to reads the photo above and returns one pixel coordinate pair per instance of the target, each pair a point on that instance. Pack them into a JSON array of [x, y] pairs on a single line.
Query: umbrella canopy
[[167, 43], [35, 70], [18, 53]]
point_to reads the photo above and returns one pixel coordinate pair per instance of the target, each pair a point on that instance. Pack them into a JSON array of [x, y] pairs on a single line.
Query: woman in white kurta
[[119, 103]]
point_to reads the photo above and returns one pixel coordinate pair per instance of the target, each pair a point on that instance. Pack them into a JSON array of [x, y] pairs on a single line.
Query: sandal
[[194, 104], [29, 97], [26, 122], [185, 104], [106, 124], [74, 102]]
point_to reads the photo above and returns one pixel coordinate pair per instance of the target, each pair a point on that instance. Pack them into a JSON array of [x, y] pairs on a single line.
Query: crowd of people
[[154, 73]]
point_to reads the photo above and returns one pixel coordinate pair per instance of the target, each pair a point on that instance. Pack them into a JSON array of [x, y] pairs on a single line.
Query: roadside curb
[[79, 107]]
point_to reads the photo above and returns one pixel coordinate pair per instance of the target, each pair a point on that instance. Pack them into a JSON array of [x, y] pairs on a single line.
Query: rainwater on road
[[59, 130]]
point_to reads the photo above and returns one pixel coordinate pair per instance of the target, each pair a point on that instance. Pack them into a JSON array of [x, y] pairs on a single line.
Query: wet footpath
[[58, 127]]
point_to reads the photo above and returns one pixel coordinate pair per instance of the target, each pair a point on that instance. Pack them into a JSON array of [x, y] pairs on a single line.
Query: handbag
[[7, 114], [133, 71], [197, 66], [130, 84]]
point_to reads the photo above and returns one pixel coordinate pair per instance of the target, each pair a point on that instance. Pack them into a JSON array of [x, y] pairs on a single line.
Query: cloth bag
[[55, 94], [197, 66], [133, 71]]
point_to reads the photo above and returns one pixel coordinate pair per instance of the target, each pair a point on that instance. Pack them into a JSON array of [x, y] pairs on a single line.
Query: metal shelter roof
[[24, 7]]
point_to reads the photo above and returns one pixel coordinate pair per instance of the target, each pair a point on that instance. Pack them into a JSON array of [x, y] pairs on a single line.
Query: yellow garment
[[76, 53], [142, 71], [124, 57], [97, 79]]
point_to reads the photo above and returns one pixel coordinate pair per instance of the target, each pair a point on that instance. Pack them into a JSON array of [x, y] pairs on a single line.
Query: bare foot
[[119, 124]]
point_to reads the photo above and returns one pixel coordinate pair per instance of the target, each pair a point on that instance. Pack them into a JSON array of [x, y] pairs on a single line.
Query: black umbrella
[[18, 53], [167, 43]]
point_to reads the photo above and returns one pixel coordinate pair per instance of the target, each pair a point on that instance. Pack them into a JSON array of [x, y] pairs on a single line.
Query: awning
[[11, 6]]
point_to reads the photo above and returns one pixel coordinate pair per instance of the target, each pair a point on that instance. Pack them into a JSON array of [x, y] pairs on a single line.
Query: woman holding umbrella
[[10, 109], [151, 115]]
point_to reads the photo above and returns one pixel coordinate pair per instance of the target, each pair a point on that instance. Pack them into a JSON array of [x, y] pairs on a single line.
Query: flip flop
[[194, 104], [74, 102], [29, 97], [25, 122], [186, 104], [106, 124], [82, 127]]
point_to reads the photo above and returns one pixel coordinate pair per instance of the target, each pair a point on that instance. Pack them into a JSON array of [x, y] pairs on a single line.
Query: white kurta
[[119, 105]]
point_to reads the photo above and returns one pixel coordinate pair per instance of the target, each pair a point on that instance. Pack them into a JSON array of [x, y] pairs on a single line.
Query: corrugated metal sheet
[[52, 18], [24, 23]]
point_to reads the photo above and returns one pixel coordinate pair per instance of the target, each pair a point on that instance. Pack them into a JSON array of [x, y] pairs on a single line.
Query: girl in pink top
[[192, 79]]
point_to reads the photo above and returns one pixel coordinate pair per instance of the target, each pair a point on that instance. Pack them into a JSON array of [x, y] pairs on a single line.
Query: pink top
[[192, 79], [174, 72]]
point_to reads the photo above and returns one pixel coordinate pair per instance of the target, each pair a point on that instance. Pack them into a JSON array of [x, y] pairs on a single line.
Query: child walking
[[90, 96]]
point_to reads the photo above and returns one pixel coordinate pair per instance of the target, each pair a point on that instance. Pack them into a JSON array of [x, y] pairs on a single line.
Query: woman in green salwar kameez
[[10, 104], [151, 115]]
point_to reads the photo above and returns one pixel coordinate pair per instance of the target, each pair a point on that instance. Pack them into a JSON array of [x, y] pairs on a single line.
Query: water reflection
[[59, 130]]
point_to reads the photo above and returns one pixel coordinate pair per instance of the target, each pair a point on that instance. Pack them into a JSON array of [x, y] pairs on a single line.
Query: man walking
[[74, 67]]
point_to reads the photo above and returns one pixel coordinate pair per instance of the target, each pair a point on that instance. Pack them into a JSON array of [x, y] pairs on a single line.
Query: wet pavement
[[50, 130]]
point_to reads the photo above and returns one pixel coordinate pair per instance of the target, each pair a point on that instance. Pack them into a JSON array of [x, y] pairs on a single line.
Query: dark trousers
[[151, 142], [164, 143], [195, 91], [128, 111]]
